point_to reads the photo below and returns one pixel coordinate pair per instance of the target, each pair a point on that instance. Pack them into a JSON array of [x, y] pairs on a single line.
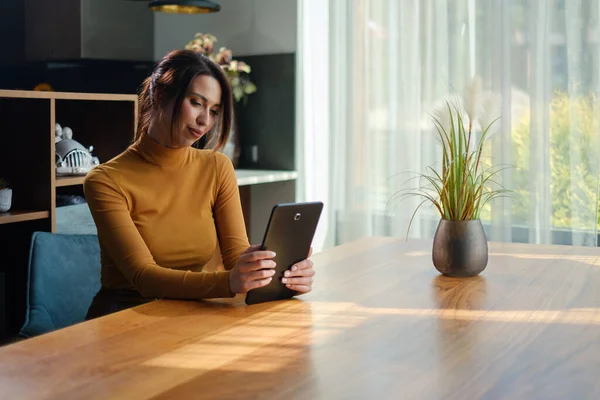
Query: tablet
[[289, 234]]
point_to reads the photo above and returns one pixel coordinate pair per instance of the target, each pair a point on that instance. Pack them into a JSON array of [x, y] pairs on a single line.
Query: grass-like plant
[[464, 183], [4, 184]]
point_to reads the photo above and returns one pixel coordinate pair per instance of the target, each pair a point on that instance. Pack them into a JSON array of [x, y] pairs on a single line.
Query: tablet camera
[[297, 216]]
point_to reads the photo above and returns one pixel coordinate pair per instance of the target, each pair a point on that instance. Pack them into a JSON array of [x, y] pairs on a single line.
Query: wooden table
[[380, 324]]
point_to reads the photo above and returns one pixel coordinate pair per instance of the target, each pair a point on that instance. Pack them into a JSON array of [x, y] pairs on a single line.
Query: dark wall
[[12, 32], [90, 76], [43, 30], [268, 119]]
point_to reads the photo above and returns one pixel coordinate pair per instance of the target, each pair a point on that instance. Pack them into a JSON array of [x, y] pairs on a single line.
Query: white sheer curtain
[[370, 71]]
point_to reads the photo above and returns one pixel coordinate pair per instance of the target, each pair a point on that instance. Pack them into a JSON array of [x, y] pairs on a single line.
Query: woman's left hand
[[300, 276]]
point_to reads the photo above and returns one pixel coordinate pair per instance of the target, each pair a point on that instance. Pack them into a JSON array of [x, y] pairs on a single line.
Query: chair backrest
[[63, 277]]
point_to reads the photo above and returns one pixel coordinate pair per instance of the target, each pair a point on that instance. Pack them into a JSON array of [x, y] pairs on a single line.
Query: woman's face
[[200, 110]]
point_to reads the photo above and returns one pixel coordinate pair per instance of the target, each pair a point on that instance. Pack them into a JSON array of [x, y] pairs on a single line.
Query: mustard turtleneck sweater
[[159, 212]]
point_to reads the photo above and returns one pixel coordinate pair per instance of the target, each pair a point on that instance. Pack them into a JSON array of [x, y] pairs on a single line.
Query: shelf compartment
[[22, 215], [106, 125], [25, 156]]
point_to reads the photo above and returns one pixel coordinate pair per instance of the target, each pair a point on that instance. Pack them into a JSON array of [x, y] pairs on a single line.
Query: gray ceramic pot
[[5, 199], [460, 248]]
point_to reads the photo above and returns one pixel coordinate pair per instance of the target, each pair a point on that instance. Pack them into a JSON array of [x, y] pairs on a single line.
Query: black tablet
[[289, 234]]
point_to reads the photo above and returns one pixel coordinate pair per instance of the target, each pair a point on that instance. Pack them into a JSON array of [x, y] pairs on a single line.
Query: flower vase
[[460, 248], [232, 147], [5, 199]]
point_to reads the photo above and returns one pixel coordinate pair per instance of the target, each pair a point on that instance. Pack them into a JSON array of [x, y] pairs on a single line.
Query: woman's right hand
[[254, 269]]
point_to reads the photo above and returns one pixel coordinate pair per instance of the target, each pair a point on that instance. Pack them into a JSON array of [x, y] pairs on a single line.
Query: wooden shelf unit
[[27, 162]]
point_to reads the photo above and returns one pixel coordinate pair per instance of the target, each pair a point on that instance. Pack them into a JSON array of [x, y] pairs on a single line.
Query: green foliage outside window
[[573, 188]]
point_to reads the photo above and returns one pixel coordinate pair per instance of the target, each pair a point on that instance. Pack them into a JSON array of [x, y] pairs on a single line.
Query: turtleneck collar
[[158, 154]]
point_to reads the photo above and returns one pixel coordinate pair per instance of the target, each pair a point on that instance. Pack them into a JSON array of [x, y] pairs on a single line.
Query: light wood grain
[[52, 169], [13, 216], [69, 180], [29, 94], [380, 324]]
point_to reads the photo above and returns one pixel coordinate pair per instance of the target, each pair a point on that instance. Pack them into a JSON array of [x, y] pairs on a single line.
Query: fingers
[[254, 259], [304, 264], [255, 247], [299, 273], [299, 277], [256, 266], [249, 285], [256, 269], [308, 280], [256, 256], [256, 279], [257, 275], [301, 289], [243, 282]]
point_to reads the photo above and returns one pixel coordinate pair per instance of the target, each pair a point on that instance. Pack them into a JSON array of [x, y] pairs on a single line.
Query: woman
[[161, 205]]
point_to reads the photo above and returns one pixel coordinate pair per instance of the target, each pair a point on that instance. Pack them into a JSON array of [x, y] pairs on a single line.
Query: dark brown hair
[[170, 80]]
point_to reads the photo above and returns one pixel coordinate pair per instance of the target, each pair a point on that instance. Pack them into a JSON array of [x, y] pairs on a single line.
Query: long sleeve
[[229, 220], [122, 242]]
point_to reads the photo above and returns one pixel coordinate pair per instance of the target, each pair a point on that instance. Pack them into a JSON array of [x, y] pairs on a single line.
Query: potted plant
[[5, 195], [462, 185], [238, 73]]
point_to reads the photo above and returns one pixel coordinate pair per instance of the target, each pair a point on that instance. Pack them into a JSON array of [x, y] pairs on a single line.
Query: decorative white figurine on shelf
[[57, 133], [71, 157], [67, 133]]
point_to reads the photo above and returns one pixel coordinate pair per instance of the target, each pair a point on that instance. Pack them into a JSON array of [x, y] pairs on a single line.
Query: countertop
[[256, 176]]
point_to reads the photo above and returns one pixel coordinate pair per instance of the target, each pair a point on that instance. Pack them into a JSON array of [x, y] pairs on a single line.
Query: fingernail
[[272, 254], [286, 273], [269, 280], [289, 286], [284, 280], [294, 268], [272, 272]]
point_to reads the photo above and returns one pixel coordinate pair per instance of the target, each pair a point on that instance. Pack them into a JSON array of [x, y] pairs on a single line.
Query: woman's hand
[[254, 269], [300, 276]]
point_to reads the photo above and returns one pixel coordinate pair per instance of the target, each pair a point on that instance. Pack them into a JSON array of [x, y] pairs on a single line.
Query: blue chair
[[63, 277]]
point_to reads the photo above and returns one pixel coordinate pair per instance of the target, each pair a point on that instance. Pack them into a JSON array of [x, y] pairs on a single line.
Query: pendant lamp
[[184, 6]]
